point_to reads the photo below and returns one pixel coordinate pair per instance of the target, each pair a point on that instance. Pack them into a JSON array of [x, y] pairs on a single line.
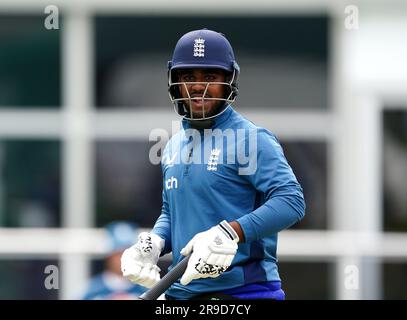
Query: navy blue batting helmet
[[204, 49]]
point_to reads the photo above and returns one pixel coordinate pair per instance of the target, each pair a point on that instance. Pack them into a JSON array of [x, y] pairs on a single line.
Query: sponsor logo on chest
[[171, 183]]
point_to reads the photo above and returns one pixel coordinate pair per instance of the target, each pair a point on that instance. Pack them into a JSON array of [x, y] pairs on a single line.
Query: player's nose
[[198, 87]]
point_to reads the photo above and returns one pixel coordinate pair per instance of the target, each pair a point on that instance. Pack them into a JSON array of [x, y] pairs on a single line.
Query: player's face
[[196, 90]]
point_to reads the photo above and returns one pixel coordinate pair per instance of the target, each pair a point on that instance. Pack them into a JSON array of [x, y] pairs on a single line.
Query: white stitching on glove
[[139, 262], [212, 252]]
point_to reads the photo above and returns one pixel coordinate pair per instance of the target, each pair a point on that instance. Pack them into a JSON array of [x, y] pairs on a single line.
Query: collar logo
[[199, 47]]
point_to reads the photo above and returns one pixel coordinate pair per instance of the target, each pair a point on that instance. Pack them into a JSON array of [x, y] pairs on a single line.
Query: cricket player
[[227, 187]]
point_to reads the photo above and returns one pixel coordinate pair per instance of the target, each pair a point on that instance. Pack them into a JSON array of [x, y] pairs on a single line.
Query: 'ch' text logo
[[171, 183]]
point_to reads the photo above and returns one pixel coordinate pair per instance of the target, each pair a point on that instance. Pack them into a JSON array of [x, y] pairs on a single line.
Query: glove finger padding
[[148, 277], [129, 264], [212, 252], [152, 276], [188, 248], [139, 262], [218, 260]]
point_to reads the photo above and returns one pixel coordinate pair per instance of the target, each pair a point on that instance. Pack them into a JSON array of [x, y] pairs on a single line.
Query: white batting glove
[[212, 252], [139, 262]]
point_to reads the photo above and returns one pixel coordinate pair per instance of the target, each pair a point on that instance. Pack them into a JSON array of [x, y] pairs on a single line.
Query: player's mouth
[[198, 101]]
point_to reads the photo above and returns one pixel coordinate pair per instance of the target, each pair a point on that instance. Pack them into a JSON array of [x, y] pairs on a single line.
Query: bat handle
[[160, 287]]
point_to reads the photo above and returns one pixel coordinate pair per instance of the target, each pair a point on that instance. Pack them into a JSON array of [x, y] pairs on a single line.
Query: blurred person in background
[[224, 213], [110, 284]]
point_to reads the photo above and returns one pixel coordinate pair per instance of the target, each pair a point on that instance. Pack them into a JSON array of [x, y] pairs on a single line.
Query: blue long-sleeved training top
[[234, 171]]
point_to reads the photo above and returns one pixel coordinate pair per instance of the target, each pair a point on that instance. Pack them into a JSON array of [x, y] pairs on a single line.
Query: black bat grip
[[166, 282]]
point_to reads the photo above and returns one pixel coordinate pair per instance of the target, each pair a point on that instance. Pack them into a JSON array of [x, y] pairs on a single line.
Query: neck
[[201, 124]]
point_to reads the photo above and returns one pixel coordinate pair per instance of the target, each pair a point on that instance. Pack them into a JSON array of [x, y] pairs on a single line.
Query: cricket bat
[[173, 275]]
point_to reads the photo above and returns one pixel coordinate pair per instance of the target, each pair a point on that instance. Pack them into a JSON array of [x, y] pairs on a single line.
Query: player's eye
[[187, 78], [210, 77]]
